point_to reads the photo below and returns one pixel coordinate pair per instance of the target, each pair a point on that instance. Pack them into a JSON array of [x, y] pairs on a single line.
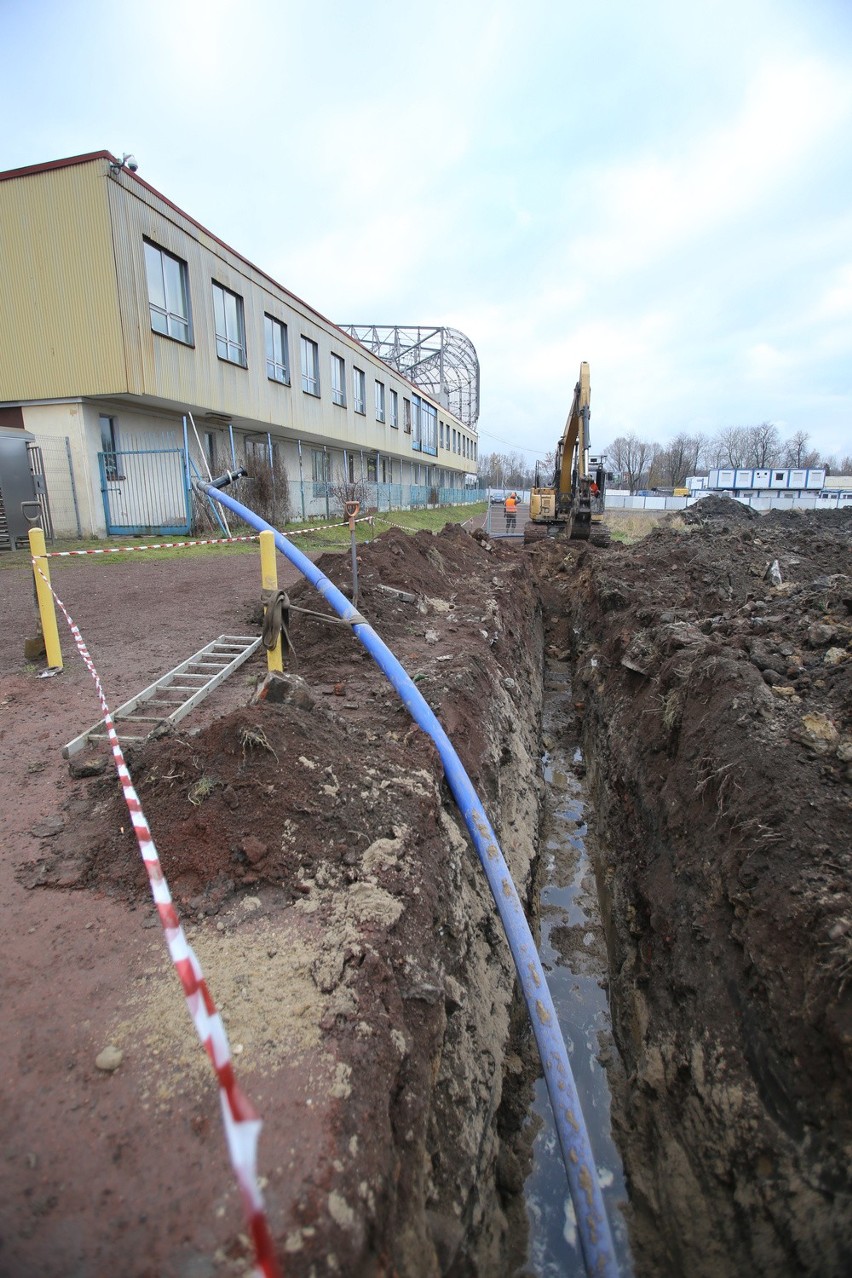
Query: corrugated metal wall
[[59, 313], [75, 317], [195, 376]]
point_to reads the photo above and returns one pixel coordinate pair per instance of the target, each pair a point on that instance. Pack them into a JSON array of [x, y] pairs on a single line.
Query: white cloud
[[657, 203]]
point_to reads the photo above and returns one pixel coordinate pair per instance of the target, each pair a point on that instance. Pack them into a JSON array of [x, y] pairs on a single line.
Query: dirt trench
[[713, 672], [346, 932], [345, 929]]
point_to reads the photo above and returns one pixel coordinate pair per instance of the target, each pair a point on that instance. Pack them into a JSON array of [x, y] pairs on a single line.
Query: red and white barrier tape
[[241, 1122], [177, 545], [163, 545]]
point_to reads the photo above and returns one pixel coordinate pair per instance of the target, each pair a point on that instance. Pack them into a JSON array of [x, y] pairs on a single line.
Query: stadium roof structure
[[441, 361]]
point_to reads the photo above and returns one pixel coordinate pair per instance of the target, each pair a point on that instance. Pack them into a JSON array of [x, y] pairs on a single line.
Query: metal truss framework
[[441, 361]]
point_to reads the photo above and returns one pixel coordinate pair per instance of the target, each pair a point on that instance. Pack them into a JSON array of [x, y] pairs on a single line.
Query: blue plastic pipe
[[592, 1223]]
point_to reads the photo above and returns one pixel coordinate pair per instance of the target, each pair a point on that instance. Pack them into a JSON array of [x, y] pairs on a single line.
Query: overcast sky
[[661, 188]]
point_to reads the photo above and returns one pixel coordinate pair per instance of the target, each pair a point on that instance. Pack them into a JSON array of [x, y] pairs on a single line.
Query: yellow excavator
[[573, 504]]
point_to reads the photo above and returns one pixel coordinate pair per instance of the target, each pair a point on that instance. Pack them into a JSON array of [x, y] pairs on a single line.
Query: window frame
[[310, 377], [166, 312], [269, 331], [394, 409], [321, 462], [416, 420], [379, 396], [338, 388], [359, 391], [406, 415], [225, 339], [429, 428]]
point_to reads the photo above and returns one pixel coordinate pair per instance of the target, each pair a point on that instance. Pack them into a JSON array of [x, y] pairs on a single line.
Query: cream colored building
[[121, 315]]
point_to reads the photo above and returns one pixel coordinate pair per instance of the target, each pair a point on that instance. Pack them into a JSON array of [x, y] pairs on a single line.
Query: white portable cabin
[[748, 480]]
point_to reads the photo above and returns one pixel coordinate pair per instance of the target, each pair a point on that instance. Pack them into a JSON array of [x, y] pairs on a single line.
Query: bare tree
[[747, 447], [795, 449], [764, 445], [731, 446], [507, 470], [630, 458], [656, 467], [680, 458], [343, 490]]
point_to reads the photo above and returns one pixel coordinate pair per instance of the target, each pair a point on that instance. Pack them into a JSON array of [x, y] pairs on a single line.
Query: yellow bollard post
[[46, 609], [269, 582]]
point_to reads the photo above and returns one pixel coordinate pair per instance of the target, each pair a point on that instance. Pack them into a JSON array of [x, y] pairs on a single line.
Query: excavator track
[[534, 533]]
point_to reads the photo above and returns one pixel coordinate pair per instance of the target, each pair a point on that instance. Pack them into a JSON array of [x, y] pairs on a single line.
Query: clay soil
[[716, 700], [341, 919], [337, 909]]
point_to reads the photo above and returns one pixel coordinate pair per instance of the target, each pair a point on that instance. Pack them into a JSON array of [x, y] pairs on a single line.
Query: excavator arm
[[567, 502]]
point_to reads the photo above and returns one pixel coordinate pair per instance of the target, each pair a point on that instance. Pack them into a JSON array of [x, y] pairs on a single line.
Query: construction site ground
[[343, 924]]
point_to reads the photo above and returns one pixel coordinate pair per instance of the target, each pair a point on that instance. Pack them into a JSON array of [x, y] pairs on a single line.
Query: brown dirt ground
[[333, 902], [719, 737], [341, 920]]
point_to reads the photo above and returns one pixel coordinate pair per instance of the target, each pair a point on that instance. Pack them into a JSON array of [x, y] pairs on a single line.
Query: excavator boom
[[567, 503]]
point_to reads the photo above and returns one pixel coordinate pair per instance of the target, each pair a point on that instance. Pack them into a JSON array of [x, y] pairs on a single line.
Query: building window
[[394, 410], [109, 447], [425, 426], [168, 293], [310, 367], [359, 390], [338, 380], [406, 415], [319, 471], [441, 430], [210, 450], [259, 452], [380, 401], [230, 329], [372, 470], [277, 358]]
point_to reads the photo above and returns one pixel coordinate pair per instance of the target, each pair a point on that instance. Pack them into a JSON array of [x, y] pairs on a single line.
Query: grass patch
[[316, 535], [630, 526]]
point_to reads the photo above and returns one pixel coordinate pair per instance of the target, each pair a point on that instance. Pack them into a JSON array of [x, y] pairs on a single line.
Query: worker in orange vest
[[511, 505]]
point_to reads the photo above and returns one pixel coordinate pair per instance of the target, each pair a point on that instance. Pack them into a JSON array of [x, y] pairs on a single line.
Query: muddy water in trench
[[573, 951]]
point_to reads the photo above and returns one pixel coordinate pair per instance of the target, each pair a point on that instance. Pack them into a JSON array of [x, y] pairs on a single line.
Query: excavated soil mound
[[345, 929], [715, 508], [342, 916], [716, 699]]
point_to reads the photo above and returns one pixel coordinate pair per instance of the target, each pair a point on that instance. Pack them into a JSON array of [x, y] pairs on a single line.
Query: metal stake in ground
[[351, 509]]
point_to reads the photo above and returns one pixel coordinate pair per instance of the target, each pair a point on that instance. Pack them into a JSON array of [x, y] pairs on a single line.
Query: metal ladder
[[180, 690]]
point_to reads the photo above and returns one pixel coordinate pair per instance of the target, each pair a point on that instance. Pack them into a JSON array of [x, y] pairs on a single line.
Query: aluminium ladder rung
[[240, 648], [102, 736]]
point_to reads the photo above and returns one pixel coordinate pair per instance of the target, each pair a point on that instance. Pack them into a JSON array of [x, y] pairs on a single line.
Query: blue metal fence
[[146, 492]]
